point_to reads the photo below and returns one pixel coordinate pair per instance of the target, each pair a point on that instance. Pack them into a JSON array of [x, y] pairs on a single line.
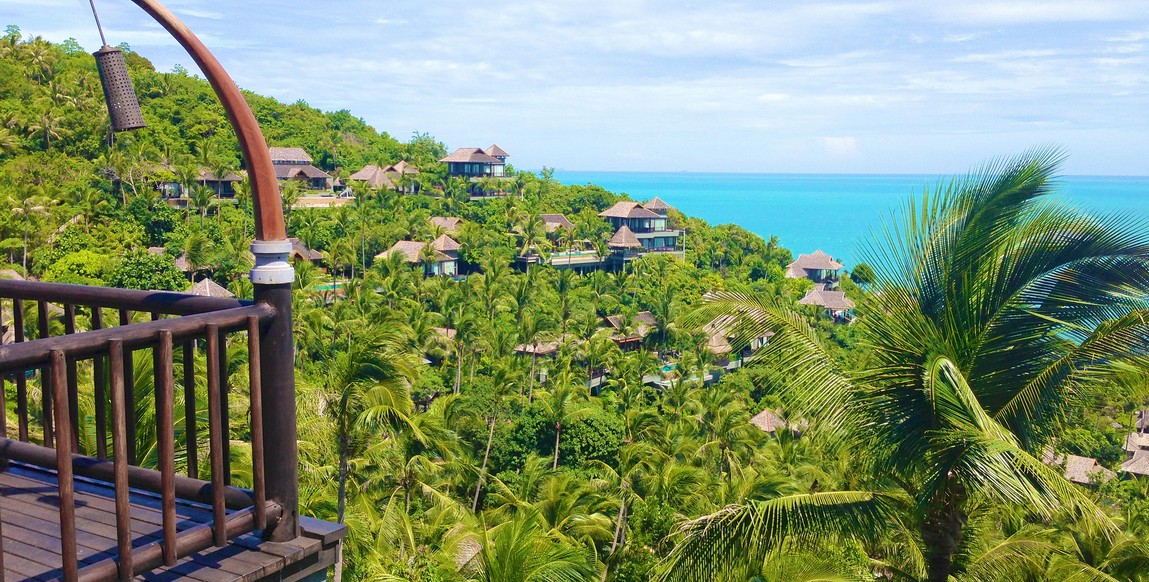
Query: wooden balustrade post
[[277, 387]]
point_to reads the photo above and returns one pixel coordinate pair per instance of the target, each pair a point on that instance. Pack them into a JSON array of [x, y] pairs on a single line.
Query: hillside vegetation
[[453, 452]]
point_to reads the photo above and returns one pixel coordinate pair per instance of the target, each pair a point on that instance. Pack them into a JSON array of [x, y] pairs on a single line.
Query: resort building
[[1137, 454], [628, 333], [476, 163], [720, 333], [208, 288], [300, 252], [441, 259], [295, 164], [554, 222], [165, 182], [817, 267], [639, 231], [448, 224], [389, 177], [657, 206], [768, 421], [835, 303], [1080, 470]]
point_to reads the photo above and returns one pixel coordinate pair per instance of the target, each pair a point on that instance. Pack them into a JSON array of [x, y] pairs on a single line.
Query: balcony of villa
[[116, 461]]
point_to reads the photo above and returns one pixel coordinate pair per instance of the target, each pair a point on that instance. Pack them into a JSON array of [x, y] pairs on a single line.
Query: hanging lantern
[[119, 94]]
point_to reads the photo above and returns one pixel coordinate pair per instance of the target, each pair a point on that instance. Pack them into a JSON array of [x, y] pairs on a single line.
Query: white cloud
[[206, 14], [1015, 12], [958, 38]]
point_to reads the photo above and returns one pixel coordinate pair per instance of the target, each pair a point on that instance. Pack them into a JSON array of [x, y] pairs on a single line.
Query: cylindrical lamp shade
[[123, 107]]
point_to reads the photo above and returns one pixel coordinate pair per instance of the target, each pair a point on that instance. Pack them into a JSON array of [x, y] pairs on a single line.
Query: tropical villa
[[720, 333], [629, 332], [638, 230], [474, 164], [477, 163], [1080, 470], [442, 258], [169, 187], [1137, 454], [295, 164], [834, 303], [554, 222], [208, 288], [300, 252], [817, 267], [390, 177], [448, 224], [647, 226]]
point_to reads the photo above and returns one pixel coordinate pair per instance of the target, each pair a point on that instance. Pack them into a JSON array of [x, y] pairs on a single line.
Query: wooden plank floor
[[29, 509]]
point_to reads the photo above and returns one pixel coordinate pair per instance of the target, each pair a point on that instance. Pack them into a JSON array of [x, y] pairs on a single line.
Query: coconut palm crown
[[995, 307]]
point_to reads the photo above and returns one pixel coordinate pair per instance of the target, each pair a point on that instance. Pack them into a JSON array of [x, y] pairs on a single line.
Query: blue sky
[[785, 86]]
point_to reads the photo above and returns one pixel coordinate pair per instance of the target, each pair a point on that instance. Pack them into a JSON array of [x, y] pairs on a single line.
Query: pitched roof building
[[301, 252], [445, 251], [295, 164], [657, 206], [769, 421], [473, 163], [624, 239], [626, 209], [497, 152], [816, 266], [449, 224], [640, 326], [553, 222], [1080, 470], [386, 177], [834, 301], [289, 156], [1138, 464], [208, 288]]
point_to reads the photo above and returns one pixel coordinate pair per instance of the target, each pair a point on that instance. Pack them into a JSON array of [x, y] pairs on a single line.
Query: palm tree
[[563, 404], [48, 125], [367, 384], [996, 308], [503, 380], [32, 206], [520, 550]]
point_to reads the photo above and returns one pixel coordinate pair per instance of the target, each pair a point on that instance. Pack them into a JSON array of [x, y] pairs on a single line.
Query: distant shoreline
[[831, 212]]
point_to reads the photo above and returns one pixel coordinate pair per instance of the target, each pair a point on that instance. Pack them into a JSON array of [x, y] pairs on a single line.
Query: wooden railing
[[175, 324]]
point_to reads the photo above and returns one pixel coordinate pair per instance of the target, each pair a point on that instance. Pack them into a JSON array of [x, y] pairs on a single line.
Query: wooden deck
[[31, 534]]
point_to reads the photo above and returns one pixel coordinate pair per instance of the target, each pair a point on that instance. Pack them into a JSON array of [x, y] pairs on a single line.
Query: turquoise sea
[[832, 212]]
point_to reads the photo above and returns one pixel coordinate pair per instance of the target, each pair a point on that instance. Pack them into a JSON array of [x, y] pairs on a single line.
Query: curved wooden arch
[[269, 224]]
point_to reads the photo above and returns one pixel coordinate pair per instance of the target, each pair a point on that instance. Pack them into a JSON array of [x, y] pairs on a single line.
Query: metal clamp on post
[[272, 266]]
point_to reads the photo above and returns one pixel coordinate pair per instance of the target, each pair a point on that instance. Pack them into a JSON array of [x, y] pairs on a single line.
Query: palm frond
[[733, 542]]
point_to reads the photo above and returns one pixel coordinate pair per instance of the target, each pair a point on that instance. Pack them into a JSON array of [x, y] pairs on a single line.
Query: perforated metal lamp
[[123, 107]]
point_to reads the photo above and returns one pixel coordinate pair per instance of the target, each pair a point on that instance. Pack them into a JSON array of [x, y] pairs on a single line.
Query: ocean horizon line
[[842, 174], [834, 212]]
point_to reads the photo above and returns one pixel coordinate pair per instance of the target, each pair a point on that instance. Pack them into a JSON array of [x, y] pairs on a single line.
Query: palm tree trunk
[[483, 471], [558, 433], [531, 381], [942, 531], [342, 475], [458, 367], [618, 525]]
